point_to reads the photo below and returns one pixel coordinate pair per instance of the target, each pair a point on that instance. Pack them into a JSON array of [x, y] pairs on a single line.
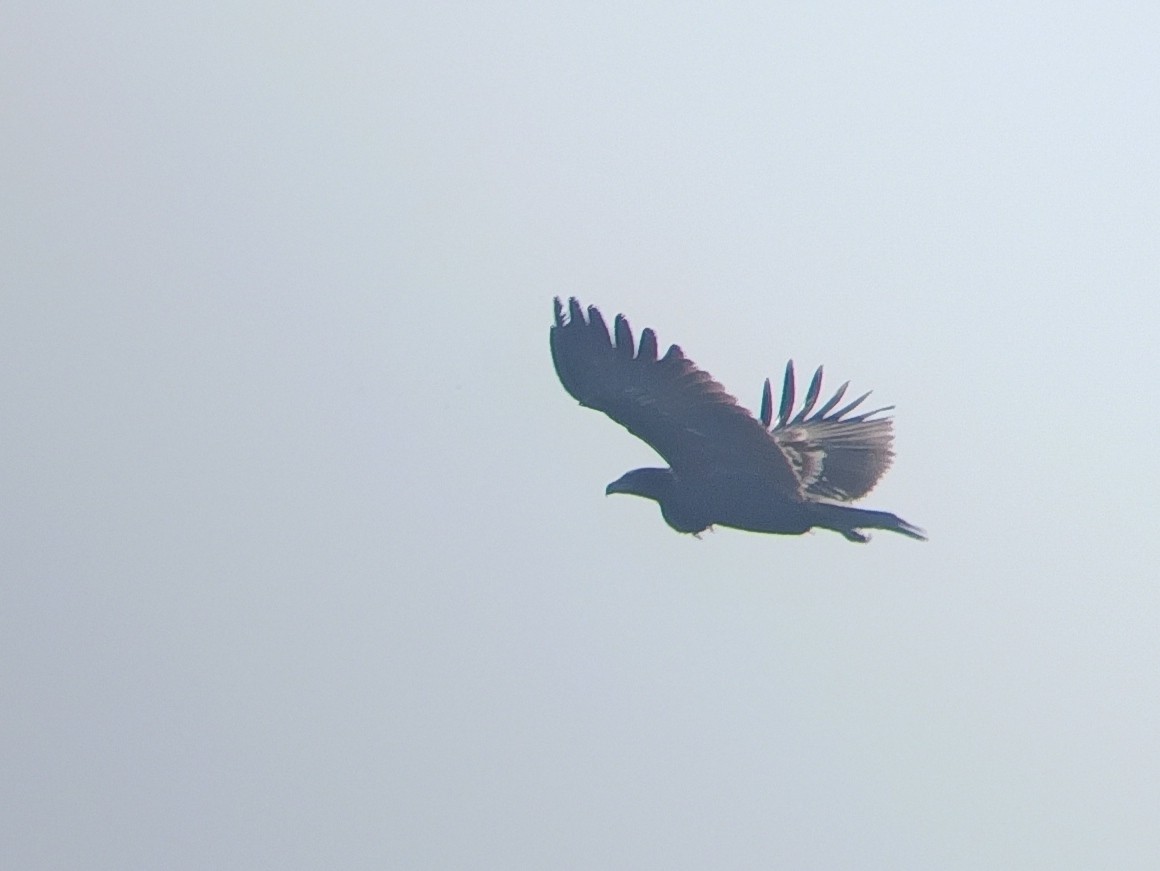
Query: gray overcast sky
[[306, 561]]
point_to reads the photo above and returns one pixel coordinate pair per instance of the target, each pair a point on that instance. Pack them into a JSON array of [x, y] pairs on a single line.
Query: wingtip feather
[[648, 346], [596, 322], [787, 395], [812, 394], [625, 343], [767, 405]]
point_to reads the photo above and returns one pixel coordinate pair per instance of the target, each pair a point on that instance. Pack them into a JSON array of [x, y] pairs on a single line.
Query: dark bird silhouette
[[727, 467]]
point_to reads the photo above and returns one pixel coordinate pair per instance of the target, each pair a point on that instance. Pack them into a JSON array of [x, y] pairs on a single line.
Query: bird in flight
[[726, 467]]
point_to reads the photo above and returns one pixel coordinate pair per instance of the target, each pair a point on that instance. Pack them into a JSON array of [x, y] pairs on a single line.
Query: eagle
[[727, 467]]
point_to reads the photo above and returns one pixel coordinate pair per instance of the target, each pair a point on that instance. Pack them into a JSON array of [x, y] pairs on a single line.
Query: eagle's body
[[726, 467]]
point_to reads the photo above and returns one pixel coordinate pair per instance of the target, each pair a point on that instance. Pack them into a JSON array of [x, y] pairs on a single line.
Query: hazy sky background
[[306, 561]]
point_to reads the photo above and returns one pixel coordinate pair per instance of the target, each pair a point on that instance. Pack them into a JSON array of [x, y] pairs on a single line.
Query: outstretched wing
[[684, 414], [835, 456]]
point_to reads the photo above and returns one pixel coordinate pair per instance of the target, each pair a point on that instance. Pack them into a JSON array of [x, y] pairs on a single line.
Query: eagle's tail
[[848, 521]]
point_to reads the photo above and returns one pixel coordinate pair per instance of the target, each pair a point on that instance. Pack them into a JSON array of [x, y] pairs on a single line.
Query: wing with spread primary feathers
[[684, 414], [835, 456]]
